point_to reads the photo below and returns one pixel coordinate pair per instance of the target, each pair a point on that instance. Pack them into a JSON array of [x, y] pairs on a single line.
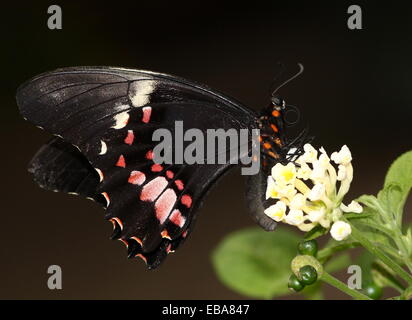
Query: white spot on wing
[[103, 149], [121, 120], [140, 92], [100, 173]]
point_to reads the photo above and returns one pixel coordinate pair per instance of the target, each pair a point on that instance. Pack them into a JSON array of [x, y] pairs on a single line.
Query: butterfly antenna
[[277, 76], [301, 68]]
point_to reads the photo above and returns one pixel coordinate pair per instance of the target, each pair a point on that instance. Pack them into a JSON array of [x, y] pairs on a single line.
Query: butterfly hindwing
[[109, 116]]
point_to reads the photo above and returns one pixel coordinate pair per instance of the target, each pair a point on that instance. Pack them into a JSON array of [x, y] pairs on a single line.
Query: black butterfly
[[103, 119]]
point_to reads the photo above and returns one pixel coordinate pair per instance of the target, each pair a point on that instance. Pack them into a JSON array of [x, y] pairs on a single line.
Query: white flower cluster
[[319, 203]]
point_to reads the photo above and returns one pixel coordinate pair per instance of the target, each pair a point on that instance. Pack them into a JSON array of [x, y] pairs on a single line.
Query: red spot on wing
[[177, 218], [121, 162], [186, 200], [149, 155], [170, 174], [157, 167], [147, 112], [153, 189], [165, 204], [129, 138], [179, 184], [165, 234], [137, 177]]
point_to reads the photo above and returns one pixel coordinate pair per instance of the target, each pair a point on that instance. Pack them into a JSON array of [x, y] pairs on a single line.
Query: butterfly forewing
[[109, 116]]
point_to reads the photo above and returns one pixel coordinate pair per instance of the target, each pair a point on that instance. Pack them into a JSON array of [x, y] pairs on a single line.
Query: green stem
[[328, 278], [357, 235], [324, 254]]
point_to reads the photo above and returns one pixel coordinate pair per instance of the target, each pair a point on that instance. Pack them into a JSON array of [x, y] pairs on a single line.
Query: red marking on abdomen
[[186, 200], [157, 167], [149, 155], [153, 189], [179, 184], [170, 174], [121, 162], [147, 111], [165, 204], [137, 177], [129, 138], [177, 218]]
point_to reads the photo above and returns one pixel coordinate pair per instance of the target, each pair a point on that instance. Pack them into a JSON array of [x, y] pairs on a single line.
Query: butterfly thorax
[[272, 136]]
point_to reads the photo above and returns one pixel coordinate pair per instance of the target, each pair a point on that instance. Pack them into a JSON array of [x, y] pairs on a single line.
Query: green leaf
[[400, 172], [256, 263], [398, 182]]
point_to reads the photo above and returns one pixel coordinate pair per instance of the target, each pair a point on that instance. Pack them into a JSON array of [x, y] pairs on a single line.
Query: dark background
[[356, 90]]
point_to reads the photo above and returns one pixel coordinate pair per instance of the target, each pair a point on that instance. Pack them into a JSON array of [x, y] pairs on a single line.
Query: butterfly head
[[278, 103]]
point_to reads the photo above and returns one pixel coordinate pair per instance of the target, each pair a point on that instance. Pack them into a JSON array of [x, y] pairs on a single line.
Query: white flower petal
[[341, 172], [317, 192], [352, 207], [340, 230], [344, 156], [284, 175], [294, 217], [310, 155], [271, 190], [304, 172], [298, 201], [316, 215], [276, 211]]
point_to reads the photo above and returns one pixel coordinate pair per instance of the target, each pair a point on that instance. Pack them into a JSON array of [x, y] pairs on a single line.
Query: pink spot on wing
[[177, 218], [153, 189], [165, 204], [170, 174], [149, 155], [184, 234], [147, 111], [169, 249], [186, 200], [137, 177], [121, 162], [157, 167], [179, 184], [129, 138]]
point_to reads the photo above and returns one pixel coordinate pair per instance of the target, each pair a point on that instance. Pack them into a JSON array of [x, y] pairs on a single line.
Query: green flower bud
[[294, 284], [304, 260], [308, 275], [309, 247]]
